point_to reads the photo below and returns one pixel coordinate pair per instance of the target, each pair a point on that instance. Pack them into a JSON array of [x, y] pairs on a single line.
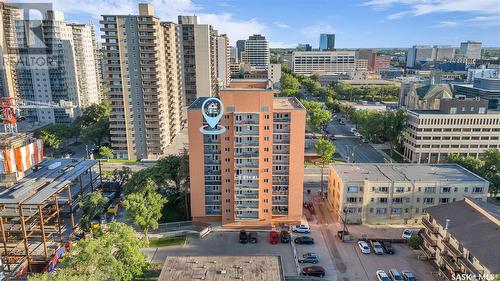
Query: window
[[352, 199], [430, 189], [466, 189], [444, 200], [477, 190], [382, 200], [397, 200], [446, 190], [399, 189], [382, 189], [352, 189], [381, 211], [428, 200], [397, 210]]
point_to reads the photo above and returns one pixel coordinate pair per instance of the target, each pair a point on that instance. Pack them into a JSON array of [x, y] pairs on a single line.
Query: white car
[[382, 276], [353, 130], [407, 234], [301, 228], [363, 246]]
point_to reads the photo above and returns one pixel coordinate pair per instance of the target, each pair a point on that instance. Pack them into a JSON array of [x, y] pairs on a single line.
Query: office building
[[483, 88], [420, 54], [470, 49], [87, 63], [323, 62], [198, 57], [252, 174], [304, 48], [326, 42], [444, 53], [233, 55], [460, 126], [422, 96], [240, 45], [398, 193], [8, 49], [378, 62], [461, 239], [256, 52], [143, 78], [223, 58], [482, 72]]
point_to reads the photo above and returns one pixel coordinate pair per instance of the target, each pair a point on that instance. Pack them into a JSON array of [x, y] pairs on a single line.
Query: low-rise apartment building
[[460, 126], [463, 239], [251, 174], [398, 193]]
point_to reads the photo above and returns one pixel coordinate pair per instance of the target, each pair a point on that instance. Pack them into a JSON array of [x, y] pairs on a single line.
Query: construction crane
[[11, 110]]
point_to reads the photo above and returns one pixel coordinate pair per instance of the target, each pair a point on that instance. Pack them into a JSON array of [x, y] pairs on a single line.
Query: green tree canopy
[[325, 149], [105, 153], [92, 204]]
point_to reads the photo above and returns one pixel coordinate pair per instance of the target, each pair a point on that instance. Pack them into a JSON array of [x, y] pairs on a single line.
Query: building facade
[[223, 59], [321, 62], [398, 193], [143, 81], [378, 62], [470, 49], [414, 95], [256, 52], [420, 54], [460, 126], [453, 239], [274, 73], [8, 49], [483, 88], [327, 42], [252, 174], [240, 45]]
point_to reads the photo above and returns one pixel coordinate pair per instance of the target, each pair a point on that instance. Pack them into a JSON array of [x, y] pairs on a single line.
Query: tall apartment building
[[460, 126], [198, 52], [398, 193], [55, 75], [444, 52], [143, 78], [326, 42], [240, 45], [223, 58], [8, 49], [252, 174], [233, 55], [470, 49], [454, 239], [256, 52], [419, 54], [87, 63], [312, 62]]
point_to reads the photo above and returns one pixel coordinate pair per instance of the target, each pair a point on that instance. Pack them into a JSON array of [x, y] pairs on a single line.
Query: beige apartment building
[[324, 62], [8, 45], [252, 174], [463, 239], [142, 73], [460, 126], [398, 193]]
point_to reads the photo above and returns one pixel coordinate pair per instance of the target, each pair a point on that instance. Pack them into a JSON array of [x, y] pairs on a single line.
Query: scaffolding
[[37, 215]]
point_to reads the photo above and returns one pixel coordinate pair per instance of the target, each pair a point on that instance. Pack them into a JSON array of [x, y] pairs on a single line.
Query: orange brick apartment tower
[[252, 174]]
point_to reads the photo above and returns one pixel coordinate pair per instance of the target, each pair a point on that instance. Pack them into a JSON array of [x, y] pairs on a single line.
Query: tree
[[395, 127], [176, 169], [96, 132], [414, 242], [92, 204], [325, 149], [94, 123], [318, 117], [105, 152], [144, 208], [290, 86], [121, 176], [51, 139]]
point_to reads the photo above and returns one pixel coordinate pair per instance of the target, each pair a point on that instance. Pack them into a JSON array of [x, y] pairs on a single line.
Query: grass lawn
[[395, 156], [119, 160], [166, 241], [152, 273]]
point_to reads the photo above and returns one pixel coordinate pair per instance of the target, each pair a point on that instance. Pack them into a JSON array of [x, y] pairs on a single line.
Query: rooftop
[[51, 177], [187, 268], [482, 234], [287, 103], [432, 112], [403, 172]]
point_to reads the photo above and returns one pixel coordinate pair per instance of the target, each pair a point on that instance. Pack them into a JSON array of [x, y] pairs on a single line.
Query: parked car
[[301, 228], [253, 237], [408, 275], [377, 247], [342, 123], [407, 234], [304, 240], [310, 254], [285, 236], [353, 130], [333, 138], [314, 270], [309, 259], [364, 140], [388, 248], [243, 237], [395, 275], [382, 276], [274, 237], [363, 246]]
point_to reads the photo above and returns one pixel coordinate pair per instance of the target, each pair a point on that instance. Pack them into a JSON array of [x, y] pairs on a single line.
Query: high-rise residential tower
[[326, 42], [143, 82], [470, 49], [256, 52], [223, 58], [240, 45], [8, 49], [251, 174]]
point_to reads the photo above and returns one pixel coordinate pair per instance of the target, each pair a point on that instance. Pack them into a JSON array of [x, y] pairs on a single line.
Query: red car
[[274, 237]]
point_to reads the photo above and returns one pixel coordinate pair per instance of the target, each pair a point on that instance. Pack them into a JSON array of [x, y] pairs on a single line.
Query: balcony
[[281, 172], [211, 151], [281, 120], [469, 267], [451, 250], [247, 164], [451, 263], [428, 252], [429, 226], [211, 161], [246, 143], [282, 140], [246, 121], [212, 172], [246, 154], [247, 132], [428, 239], [281, 151]]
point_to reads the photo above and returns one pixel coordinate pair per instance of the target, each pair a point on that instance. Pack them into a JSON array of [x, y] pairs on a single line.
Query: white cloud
[[447, 23], [235, 29], [397, 15], [280, 24], [313, 31], [485, 20]]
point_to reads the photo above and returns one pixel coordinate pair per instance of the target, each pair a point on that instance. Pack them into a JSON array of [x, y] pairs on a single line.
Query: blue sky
[[356, 23]]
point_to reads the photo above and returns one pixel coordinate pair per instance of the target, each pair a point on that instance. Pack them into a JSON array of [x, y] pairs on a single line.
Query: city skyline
[[364, 23]]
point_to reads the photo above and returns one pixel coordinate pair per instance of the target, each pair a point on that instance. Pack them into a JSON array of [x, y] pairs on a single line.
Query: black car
[[243, 237], [253, 237], [304, 240], [285, 236], [388, 248], [314, 270]]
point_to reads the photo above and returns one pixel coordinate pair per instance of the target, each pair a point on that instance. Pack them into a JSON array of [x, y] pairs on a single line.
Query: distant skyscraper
[[304, 48], [327, 42], [418, 54], [470, 49], [256, 52], [444, 52], [223, 70], [240, 45], [233, 55]]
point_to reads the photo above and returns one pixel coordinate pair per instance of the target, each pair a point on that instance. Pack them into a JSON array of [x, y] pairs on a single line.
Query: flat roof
[[279, 103], [481, 236], [406, 172], [51, 176], [220, 268], [438, 112]]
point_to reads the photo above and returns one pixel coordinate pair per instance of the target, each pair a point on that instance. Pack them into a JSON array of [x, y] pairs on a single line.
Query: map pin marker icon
[[212, 111]]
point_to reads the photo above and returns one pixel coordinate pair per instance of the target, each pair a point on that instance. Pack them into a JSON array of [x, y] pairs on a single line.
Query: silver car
[[377, 247]]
